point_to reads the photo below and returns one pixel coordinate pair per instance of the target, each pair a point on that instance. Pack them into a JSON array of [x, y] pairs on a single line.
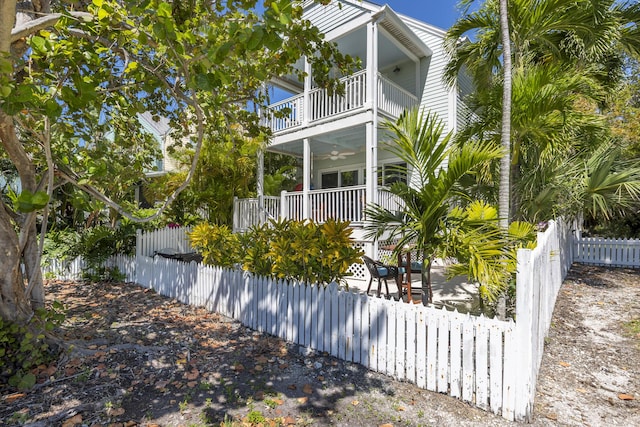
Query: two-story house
[[338, 139]]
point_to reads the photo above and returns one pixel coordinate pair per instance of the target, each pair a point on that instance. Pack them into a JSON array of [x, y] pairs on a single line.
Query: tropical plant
[[72, 84], [435, 169], [566, 55], [288, 249]]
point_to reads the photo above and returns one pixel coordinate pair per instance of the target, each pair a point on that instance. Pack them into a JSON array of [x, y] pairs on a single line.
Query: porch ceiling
[[355, 44], [351, 139]]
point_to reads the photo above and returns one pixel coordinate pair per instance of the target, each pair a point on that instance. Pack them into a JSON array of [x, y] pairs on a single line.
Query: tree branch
[[46, 21]]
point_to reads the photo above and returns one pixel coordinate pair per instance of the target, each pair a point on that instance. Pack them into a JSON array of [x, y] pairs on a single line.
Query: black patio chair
[[381, 272]]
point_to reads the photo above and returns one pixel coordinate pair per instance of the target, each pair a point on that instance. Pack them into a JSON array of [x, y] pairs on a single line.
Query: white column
[[418, 77], [306, 177], [306, 108], [260, 185], [371, 128]]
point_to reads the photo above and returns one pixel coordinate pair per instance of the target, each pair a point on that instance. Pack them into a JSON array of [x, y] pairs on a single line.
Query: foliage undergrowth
[[95, 245], [291, 250], [23, 347]]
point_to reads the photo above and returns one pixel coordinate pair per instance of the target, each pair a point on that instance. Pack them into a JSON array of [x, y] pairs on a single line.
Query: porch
[[344, 204], [318, 106]]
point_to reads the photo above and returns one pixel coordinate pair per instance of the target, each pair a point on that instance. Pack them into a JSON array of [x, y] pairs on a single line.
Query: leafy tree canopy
[[74, 76]]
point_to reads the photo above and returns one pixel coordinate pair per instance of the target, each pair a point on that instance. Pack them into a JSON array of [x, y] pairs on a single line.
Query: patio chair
[[381, 272]]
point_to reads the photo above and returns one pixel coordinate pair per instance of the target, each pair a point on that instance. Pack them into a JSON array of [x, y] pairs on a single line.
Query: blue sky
[[441, 13]]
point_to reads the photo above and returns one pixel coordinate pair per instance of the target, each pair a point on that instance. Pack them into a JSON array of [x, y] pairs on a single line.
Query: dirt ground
[[142, 359]]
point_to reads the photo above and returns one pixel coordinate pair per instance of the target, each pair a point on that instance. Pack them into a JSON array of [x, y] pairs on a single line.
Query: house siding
[[328, 18], [435, 95]]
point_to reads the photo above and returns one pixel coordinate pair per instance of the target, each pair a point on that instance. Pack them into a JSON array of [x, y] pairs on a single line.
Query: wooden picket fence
[[435, 349], [489, 363], [612, 252], [176, 238]]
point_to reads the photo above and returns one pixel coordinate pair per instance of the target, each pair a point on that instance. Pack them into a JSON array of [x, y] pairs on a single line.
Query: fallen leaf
[[130, 424], [565, 364], [386, 425], [307, 389], [289, 420], [77, 419], [278, 401], [355, 403], [114, 412], [624, 396], [581, 390], [552, 416], [292, 387], [192, 384], [192, 375], [13, 397], [303, 400]]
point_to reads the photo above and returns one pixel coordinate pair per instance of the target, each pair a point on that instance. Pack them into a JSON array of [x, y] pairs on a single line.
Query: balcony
[[392, 100]]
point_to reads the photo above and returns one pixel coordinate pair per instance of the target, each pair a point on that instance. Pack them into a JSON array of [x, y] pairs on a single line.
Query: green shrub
[[24, 347], [217, 244], [292, 250]]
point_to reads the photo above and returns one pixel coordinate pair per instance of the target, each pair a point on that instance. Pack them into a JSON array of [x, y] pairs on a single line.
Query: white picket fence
[[612, 252], [438, 350], [148, 243], [489, 363]]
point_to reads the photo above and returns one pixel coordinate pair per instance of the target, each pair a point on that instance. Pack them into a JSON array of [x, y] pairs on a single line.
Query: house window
[[392, 172], [348, 178], [329, 180]]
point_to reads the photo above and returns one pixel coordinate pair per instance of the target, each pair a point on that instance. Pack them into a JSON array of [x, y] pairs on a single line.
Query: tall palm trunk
[[505, 162]]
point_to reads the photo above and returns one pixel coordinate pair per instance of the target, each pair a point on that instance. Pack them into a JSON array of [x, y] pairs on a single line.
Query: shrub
[[22, 348], [217, 244], [288, 249]]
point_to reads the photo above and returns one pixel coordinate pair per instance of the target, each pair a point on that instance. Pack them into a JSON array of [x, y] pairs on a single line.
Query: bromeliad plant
[[290, 250]]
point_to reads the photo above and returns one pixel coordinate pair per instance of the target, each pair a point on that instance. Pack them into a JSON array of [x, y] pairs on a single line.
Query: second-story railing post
[[306, 107]]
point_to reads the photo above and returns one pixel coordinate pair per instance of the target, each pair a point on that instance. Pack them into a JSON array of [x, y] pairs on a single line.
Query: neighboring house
[[339, 138], [160, 130]]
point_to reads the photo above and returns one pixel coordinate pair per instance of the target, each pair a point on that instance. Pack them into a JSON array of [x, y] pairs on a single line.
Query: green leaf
[[255, 39], [38, 44], [164, 9], [29, 202], [102, 14]]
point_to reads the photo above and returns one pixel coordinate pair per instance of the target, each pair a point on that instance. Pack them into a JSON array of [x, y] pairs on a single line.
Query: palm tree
[[565, 53], [434, 170], [505, 162]]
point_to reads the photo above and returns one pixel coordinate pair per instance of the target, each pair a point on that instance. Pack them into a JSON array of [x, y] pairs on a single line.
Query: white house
[[338, 138]]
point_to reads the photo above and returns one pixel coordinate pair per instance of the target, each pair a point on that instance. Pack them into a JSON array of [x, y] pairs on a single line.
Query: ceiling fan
[[338, 155]]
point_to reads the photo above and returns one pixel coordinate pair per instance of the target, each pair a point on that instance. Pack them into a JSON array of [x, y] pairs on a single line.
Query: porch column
[[371, 128], [260, 186], [306, 177]]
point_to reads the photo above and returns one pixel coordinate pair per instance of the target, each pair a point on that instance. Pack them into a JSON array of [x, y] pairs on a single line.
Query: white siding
[[333, 15], [435, 94]]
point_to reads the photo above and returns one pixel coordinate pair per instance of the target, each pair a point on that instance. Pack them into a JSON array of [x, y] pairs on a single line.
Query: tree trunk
[[14, 305], [18, 231], [425, 275], [505, 162]]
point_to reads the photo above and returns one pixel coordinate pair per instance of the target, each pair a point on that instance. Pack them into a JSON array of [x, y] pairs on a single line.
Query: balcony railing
[[345, 204], [324, 105], [392, 100]]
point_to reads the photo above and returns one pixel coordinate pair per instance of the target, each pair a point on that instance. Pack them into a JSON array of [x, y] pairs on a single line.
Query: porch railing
[[247, 213], [324, 105], [291, 113], [393, 99]]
